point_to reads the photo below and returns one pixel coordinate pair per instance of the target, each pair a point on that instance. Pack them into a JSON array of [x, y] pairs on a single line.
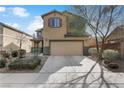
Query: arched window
[[54, 22]]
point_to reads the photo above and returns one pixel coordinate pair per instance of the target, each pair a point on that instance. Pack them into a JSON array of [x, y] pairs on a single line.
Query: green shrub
[[110, 54], [24, 64], [14, 53], [2, 63], [36, 50], [21, 53], [92, 51]]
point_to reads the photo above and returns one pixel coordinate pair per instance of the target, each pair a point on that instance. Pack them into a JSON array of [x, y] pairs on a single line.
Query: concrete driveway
[[69, 64], [64, 71]]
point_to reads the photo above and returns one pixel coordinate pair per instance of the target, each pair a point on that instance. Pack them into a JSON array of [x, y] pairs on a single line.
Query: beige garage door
[[66, 48]]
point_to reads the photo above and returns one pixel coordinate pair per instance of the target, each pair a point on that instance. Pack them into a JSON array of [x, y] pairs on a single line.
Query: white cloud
[[15, 25], [2, 9], [35, 24], [19, 11]]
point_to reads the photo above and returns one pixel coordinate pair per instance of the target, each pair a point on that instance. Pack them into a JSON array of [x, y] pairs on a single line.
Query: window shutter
[[51, 22]]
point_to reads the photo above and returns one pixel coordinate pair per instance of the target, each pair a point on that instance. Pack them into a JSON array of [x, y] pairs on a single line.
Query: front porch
[[37, 46]]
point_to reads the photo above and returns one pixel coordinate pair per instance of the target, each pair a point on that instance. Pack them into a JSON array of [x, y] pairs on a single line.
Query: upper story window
[[55, 22]]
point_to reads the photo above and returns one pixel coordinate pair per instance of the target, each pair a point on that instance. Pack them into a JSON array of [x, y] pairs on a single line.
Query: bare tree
[[101, 20], [21, 39]]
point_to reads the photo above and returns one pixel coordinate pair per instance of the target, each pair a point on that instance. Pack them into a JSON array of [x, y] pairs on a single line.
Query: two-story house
[[64, 33]]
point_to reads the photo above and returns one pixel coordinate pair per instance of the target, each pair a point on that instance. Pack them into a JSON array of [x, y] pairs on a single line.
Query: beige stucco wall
[[34, 44], [53, 33], [56, 33], [1, 41], [89, 42], [1, 37], [10, 40]]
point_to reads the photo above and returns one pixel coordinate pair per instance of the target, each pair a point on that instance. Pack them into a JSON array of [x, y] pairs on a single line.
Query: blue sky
[[26, 17]]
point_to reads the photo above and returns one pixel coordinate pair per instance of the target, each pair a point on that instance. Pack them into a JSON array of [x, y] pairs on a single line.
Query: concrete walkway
[[64, 71]]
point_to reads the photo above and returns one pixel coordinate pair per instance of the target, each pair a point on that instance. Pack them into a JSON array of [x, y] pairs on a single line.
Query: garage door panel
[[66, 48]]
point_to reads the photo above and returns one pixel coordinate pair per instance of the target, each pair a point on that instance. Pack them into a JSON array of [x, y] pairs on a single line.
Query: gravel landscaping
[[24, 62], [63, 72]]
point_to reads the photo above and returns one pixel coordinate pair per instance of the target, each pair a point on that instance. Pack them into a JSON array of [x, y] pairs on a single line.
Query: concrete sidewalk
[[63, 71]]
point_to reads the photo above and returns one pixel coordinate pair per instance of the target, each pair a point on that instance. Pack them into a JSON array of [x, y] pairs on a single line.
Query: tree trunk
[[102, 48], [20, 46], [97, 45]]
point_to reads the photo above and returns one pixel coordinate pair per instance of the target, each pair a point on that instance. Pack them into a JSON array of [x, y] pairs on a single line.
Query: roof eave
[[50, 13], [10, 27]]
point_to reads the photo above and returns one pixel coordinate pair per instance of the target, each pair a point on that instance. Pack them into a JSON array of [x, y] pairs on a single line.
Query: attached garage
[[66, 48]]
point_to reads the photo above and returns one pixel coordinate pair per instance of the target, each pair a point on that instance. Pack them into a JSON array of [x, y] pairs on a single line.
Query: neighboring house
[[37, 41], [115, 40], [10, 38], [64, 33], [90, 42]]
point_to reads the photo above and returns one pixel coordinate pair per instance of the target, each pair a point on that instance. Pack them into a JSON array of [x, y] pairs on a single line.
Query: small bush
[[113, 66], [92, 51], [6, 55], [14, 53], [36, 50], [24, 64], [2, 63], [21, 53], [110, 54]]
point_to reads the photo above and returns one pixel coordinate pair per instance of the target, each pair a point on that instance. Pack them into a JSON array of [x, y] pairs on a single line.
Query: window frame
[[60, 22]]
